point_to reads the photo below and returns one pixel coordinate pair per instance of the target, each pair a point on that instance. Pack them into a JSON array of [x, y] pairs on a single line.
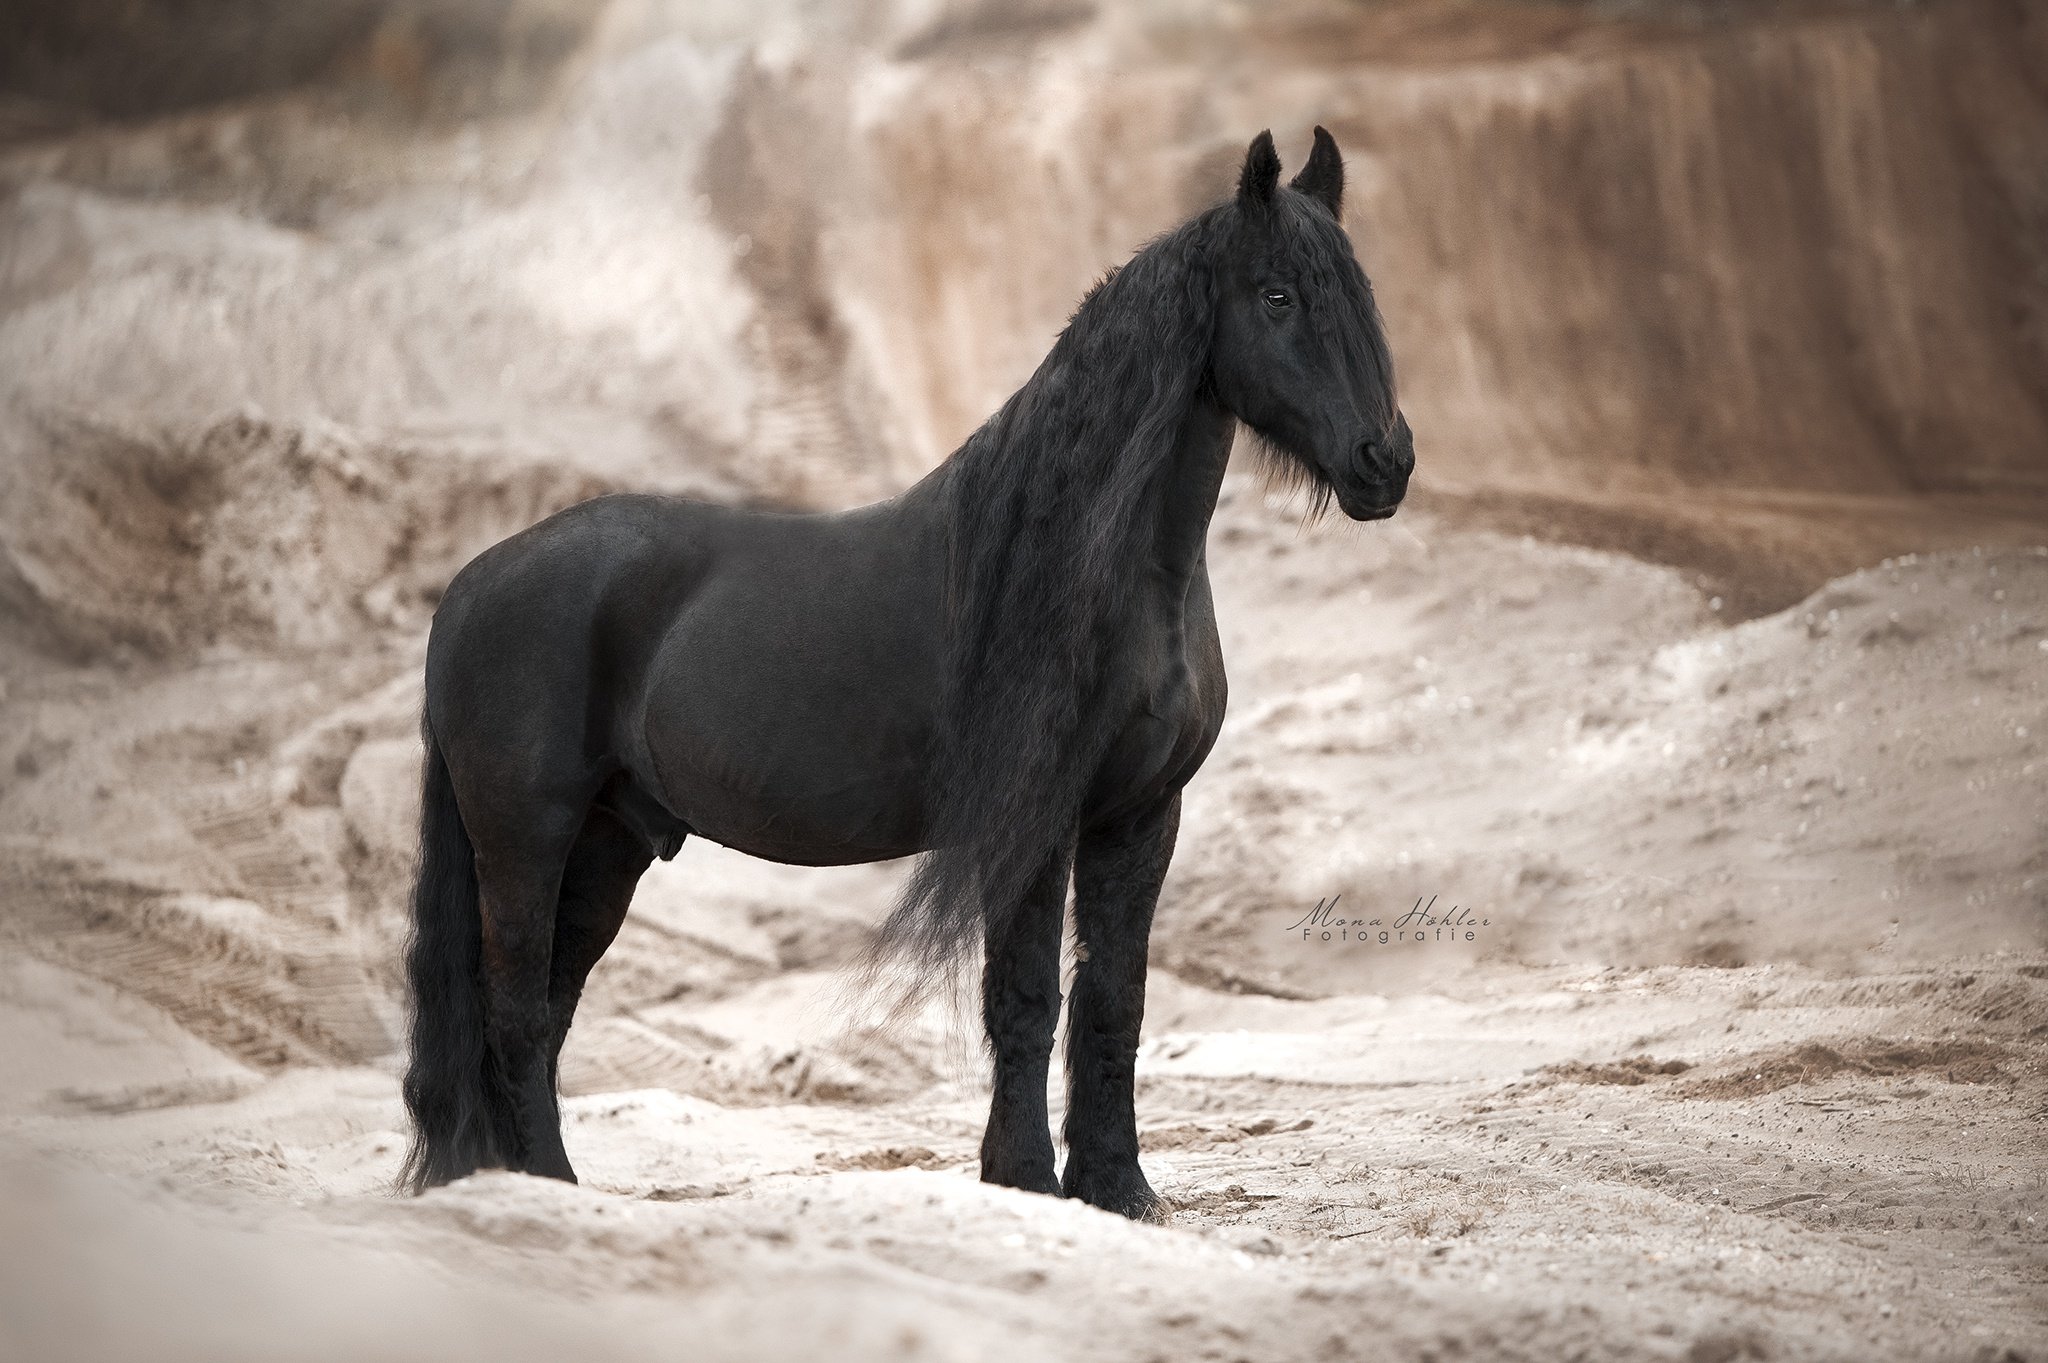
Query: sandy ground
[[1795, 1113], [1745, 1055]]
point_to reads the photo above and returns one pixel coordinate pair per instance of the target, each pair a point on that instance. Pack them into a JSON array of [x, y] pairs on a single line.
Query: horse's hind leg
[[597, 887], [1117, 874], [1020, 993], [519, 879]]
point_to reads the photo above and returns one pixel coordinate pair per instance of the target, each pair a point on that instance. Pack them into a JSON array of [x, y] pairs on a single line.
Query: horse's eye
[[1276, 299]]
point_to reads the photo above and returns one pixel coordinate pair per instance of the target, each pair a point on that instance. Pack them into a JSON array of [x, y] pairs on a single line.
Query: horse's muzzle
[[1389, 458], [1380, 468]]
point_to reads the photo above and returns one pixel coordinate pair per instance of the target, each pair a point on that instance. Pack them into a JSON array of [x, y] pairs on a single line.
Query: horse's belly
[[796, 820], [793, 745], [800, 842]]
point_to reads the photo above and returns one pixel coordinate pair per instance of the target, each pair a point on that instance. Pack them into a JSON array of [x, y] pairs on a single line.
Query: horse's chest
[[1168, 700]]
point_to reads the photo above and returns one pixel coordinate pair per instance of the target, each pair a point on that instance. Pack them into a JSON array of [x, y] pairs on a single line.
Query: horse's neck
[[1191, 482]]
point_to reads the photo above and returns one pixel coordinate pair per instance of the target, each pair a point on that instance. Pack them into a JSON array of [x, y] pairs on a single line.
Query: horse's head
[[1300, 356]]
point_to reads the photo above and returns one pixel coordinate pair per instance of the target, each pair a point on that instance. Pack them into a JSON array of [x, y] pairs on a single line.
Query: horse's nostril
[[1381, 459]]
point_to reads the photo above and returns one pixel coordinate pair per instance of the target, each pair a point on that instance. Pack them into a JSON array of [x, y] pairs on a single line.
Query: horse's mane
[[1048, 502]]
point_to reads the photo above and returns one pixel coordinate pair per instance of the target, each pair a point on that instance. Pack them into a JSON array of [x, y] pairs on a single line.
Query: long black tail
[[449, 1085]]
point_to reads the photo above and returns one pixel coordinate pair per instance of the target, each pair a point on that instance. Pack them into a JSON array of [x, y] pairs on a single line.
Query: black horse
[[1012, 668]]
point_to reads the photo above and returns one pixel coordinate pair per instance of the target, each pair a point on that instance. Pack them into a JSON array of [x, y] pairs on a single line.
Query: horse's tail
[[449, 1082]]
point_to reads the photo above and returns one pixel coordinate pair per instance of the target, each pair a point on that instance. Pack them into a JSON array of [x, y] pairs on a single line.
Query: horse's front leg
[[1020, 1006], [1117, 873]]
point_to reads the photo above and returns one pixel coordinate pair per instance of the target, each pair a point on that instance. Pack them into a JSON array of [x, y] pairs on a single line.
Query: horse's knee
[[1020, 1019]]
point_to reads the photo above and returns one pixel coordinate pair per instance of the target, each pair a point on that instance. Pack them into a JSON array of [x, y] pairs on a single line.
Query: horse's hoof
[[556, 1168], [1123, 1191]]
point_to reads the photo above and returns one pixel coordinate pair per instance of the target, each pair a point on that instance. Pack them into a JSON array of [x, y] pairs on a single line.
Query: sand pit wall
[[244, 533]]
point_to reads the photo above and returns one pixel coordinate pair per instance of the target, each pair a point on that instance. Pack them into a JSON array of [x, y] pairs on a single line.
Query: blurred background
[[1712, 641], [1756, 288]]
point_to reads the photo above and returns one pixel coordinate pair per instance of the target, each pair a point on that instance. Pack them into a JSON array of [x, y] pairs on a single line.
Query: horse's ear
[[1260, 177], [1322, 176]]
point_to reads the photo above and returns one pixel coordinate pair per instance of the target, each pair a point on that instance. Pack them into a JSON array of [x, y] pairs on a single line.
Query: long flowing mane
[[1048, 504]]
